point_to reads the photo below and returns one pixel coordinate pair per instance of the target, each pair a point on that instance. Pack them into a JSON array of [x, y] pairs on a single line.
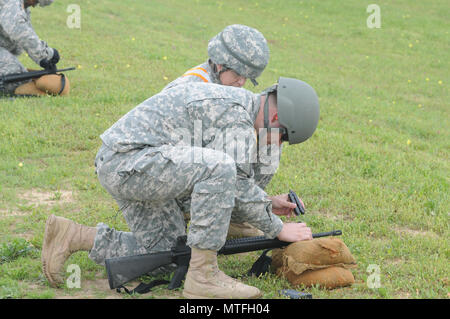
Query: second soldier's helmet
[[240, 48], [43, 3]]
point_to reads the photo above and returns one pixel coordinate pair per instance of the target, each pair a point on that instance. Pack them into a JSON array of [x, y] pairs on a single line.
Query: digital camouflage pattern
[[237, 47], [17, 35], [240, 48], [267, 162], [248, 44], [195, 75], [157, 154], [269, 157]]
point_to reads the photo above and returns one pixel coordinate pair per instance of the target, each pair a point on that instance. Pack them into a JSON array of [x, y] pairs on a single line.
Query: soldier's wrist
[[276, 227]]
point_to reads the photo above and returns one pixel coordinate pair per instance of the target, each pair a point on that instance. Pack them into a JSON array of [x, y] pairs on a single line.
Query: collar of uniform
[[255, 107], [213, 75]]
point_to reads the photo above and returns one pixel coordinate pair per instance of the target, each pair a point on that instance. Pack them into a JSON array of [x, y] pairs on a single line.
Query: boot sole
[[47, 249]]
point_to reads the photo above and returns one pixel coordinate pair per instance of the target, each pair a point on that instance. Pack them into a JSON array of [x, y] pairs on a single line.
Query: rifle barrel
[[243, 245], [16, 77], [329, 233]]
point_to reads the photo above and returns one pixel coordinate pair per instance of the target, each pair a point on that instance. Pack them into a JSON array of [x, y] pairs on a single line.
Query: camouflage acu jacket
[[17, 34], [203, 115]]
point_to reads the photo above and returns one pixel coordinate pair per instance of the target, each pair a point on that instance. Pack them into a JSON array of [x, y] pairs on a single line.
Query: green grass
[[377, 166]]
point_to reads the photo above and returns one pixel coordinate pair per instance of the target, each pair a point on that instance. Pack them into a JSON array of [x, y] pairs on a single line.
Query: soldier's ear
[[274, 118]]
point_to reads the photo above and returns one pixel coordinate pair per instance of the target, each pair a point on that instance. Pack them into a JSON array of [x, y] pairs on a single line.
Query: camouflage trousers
[[146, 184], [9, 64], [264, 171]]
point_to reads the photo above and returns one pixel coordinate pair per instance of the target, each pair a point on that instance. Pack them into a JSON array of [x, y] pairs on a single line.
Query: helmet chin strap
[[282, 130], [216, 73], [266, 111], [225, 68]]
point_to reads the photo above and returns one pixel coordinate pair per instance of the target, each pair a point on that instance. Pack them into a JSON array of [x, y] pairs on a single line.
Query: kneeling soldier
[[147, 162]]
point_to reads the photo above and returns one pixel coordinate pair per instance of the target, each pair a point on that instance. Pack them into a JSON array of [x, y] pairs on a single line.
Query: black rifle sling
[[143, 288], [261, 265], [63, 83]]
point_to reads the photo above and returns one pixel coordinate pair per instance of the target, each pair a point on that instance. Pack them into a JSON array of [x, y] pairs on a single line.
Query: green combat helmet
[[298, 109], [43, 3], [242, 49]]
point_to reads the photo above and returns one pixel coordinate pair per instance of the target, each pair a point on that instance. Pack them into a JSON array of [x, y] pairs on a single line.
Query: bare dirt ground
[[36, 197]]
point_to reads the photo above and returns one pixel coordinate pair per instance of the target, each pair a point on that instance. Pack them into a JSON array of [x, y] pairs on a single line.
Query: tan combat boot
[[63, 237], [243, 230], [205, 280]]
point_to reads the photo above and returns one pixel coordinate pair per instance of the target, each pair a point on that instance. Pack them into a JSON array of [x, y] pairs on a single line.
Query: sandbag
[[329, 278], [28, 88], [322, 261], [52, 84]]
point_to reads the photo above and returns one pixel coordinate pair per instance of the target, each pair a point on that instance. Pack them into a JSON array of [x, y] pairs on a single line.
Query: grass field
[[377, 166]]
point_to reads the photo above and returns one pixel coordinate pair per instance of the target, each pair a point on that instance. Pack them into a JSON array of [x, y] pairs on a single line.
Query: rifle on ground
[[121, 270], [18, 77]]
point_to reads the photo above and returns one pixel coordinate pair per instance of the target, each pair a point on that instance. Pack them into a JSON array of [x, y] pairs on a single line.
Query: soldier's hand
[[55, 59], [292, 232], [282, 206], [50, 64]]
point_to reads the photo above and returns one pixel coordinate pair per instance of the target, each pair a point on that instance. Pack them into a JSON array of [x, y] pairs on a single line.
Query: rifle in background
[[18, 77]]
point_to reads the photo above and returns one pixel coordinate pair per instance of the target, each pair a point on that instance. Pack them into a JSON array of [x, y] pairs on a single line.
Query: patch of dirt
[[90, 289], [334, 216], [395, 261], [99, 289], [9, 213], [414, 232], [36, 197], [402, 295]]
